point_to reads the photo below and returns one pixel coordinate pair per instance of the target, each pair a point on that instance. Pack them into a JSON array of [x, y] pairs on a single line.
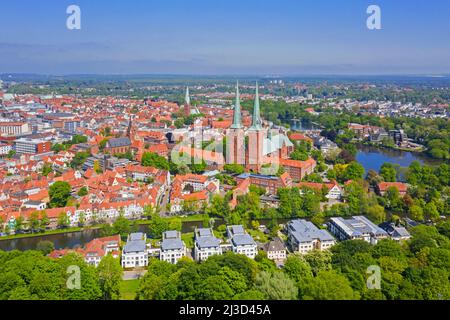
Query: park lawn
[[128, 289]]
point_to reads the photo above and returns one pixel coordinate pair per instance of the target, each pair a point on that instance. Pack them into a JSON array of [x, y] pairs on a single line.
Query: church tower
[[131, 132], [235, 153], [187, 104], [256, 135]]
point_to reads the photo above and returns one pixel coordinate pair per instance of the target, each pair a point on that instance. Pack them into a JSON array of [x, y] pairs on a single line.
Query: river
[[77, 239], [369, 157]]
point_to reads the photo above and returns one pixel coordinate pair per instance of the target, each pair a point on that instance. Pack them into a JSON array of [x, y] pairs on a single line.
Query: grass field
[[128, 289]]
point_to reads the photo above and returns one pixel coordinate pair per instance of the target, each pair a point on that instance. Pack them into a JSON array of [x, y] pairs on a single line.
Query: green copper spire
[[237, 122], [256, 120], [187, 99]]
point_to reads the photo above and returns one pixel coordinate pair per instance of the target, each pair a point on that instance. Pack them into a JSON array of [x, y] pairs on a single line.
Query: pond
[[372, 158]]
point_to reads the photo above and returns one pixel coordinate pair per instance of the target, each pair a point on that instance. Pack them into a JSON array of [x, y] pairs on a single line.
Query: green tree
[[157, 226], [59, 193], [276, 286], [353, 171], [416, 213], [83, 191], [110, 277], [150, 159], [329, 285], [45, 247], [387, 171], [431, 211], [63, 220], [376, 214], [47, 169], [34, 221], [298, 270]]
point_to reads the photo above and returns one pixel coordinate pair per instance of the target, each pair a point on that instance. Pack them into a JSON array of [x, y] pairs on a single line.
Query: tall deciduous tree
[[276, 286], [59, 193], [110, 277]]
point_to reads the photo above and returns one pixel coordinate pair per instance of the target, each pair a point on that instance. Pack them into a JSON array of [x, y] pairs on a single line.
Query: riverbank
[[45, 233], [420, 150], [190, 218]]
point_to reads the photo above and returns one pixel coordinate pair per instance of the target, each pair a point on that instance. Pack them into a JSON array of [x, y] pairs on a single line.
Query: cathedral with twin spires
[[257, 146]]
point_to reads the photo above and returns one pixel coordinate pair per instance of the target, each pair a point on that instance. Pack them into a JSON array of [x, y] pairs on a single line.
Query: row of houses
[[172, 248], [302, 237], [86, 214]]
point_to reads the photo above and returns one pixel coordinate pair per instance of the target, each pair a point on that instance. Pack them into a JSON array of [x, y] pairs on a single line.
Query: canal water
[[78, 239]]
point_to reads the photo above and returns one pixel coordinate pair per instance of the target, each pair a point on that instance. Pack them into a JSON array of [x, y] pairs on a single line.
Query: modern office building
[[358, 227], [32, 146]]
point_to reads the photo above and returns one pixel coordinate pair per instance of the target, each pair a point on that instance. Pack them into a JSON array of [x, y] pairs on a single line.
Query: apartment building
[[304, 236], [14, 128], [134, 253], [241, 241], [206, 244], [172, 247]]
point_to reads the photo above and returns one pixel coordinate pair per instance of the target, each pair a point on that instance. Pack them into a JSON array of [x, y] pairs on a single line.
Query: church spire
[[256, 119], [237, 122], [187, 98], [187, 104]]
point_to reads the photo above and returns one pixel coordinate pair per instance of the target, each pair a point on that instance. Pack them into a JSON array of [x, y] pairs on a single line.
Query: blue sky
[[225, 37]]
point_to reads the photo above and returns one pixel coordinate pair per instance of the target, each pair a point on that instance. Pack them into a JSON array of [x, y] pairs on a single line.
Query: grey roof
[[119, 142], [358, 226], [305, 231], [400, 232], [134, 246], [204, 238], [274, 245], [236, 229], [172, 234], [33, 203], [172, 241], [172, 244], [136, 236], [243, 240]]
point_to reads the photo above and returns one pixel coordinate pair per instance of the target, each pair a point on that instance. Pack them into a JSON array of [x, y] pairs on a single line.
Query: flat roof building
[[357, 227]]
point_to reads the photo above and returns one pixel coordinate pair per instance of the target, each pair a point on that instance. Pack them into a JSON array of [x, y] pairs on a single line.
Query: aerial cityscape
[[222, 178]]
